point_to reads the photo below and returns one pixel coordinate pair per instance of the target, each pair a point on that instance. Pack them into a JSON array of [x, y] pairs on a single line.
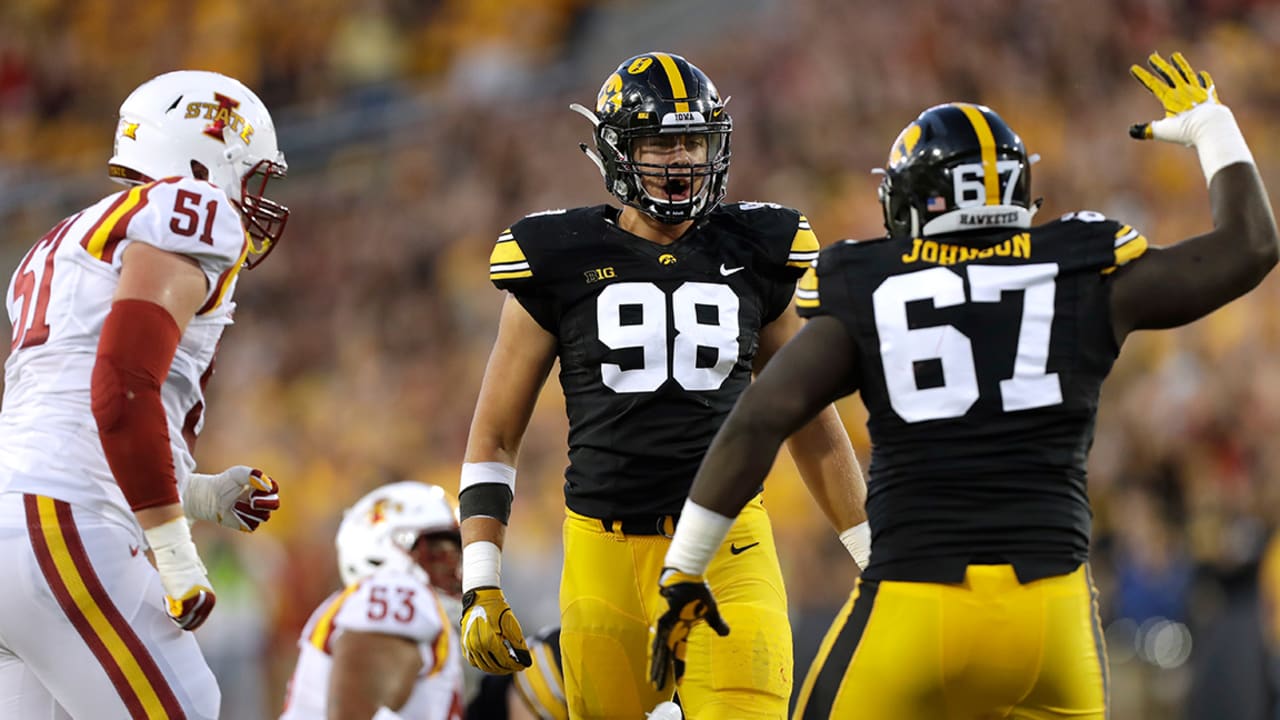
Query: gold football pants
[[609, 595], [988, 647]]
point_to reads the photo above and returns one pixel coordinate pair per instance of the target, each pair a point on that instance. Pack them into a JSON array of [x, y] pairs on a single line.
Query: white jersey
[[57, 302], [388, 602]]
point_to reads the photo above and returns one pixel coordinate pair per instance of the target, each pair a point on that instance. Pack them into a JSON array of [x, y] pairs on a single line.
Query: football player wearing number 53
[[117, 313], [385, 646], [659, 313], [979, 344]]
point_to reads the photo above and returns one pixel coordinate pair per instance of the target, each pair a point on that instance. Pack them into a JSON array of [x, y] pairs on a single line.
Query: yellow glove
[[1193, 114], [1179, 89], [689, 600], [491, 636]]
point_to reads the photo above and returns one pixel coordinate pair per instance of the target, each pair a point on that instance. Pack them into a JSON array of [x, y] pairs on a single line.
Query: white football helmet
[[380, 528], [184, 117]]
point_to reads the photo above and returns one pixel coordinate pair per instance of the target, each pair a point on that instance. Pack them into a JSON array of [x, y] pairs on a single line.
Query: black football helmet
[[957, 167], [656, 94]]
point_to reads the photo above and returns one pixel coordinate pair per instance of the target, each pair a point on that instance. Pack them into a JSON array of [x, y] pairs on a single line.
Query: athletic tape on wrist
[[857, 540], [1220, 143], [481, 565], [699, 535]]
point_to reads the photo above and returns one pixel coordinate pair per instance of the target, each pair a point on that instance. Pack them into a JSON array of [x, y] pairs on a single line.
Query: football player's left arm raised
[[1173, 286], [371, 671]]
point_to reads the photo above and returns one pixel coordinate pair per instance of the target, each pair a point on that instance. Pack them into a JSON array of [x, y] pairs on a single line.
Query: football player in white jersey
[[385, 647], [117, 313]]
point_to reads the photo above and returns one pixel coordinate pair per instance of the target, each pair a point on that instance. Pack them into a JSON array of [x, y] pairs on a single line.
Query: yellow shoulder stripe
[[804, 246], [324, 626], [508, 261], [807, 289], [1130, 245]]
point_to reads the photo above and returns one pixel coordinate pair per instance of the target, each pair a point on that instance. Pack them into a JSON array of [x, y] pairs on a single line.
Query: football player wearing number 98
[[979, 344], [659, 313], [117, 313]]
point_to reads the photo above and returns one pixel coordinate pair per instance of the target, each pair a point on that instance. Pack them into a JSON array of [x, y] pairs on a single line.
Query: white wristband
[[1220, 143], [487, 472], [1211, 128], [386, 713], [699, 535], [857, 540], [481, 565]]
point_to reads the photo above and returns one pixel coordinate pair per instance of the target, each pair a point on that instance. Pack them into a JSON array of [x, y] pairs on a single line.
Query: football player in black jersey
[[659, 313], [979, 344]]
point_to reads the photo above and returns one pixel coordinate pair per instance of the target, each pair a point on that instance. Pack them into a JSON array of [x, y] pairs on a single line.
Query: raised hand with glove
[[1193, 114], [240, 498]]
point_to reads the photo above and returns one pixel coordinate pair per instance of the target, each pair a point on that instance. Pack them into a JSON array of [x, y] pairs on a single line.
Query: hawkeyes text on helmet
[[652, 95]]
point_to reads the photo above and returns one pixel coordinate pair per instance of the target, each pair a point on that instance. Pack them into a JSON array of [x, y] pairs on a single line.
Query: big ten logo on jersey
[[597, 274], [758, 205]]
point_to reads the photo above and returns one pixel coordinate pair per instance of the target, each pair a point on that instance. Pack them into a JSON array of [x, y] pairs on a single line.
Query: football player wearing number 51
[[979, 343], [660, 312], [117, 312]]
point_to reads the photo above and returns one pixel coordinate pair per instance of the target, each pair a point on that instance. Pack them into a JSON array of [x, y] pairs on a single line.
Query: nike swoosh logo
[[739, 550], [726, 271]]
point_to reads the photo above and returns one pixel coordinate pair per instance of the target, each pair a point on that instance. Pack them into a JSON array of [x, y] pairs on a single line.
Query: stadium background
[[416, 130]]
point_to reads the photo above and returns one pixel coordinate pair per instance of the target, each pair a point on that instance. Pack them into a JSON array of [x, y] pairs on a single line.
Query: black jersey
[[656, 342], [982, 356]]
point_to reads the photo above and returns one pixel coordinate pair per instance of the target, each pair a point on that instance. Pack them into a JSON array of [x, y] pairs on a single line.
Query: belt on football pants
[[664, 525]]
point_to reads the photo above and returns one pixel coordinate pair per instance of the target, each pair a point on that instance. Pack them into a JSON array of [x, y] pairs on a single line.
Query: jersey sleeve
[[509, 267], [392, 604], [179, 215], [785, 242], [808, 301], [1108, 244], [514, 266], [825, 288], [1129, 246]]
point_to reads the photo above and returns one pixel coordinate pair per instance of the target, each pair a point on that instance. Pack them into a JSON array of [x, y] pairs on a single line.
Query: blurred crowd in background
[[417, 130]]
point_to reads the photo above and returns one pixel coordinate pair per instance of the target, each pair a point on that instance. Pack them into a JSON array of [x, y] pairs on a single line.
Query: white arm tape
[[386, 713], [857, 540], [1212, 129], [481, 565], [487, 472], [699, 535]]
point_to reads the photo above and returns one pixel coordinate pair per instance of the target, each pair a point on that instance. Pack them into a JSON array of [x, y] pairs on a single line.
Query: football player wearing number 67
[[979, 344], [660, 312], [117, 313]]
